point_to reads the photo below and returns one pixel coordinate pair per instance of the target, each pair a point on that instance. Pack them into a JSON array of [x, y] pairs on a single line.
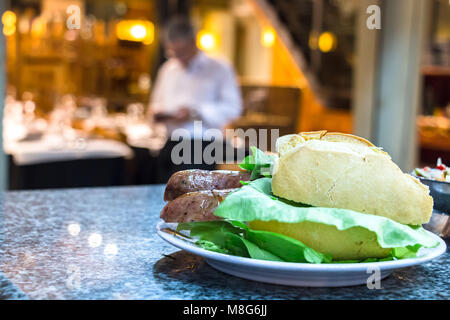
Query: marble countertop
[[101, 243]]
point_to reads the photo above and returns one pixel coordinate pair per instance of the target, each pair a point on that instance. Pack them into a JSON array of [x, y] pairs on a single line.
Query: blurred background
[[74, 100]]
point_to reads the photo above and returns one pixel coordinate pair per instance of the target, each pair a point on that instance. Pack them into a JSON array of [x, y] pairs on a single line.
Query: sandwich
[[323, 198]]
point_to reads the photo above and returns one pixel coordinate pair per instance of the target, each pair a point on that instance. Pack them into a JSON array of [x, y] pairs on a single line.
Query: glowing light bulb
[[9, 31], [268, 37], [9, 18], [327, 42], [206, 40], [9, 23], [138, 32]]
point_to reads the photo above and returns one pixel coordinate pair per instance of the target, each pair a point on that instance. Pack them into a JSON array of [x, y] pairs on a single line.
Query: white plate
[[300, 274]]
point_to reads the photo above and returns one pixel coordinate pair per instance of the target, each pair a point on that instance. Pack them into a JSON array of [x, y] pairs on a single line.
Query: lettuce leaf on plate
[[255, 201], [287, 249], [258, 163], [236, 238], [224, 237]]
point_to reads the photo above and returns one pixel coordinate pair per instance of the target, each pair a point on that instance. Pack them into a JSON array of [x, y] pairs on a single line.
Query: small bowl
[[440, 191], [440, 219]]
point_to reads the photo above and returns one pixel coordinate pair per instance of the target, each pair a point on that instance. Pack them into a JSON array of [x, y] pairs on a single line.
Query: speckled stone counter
[[101, 244]]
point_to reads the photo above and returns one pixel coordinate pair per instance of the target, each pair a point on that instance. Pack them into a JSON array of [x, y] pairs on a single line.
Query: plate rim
[[301, 266]]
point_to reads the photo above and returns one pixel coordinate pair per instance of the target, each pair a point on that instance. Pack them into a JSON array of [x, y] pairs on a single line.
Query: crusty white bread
[[345, 171]]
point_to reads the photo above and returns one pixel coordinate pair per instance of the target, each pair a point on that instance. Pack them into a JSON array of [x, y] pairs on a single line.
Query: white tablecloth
[[53, 149]]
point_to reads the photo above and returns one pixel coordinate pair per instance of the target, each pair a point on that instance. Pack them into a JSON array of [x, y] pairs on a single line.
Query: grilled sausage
[[196, 180], [194, 206]]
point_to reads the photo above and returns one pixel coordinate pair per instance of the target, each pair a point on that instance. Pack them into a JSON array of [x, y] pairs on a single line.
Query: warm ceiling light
[[9, 23], [9, 31], [136, 30], [206, 40], [327, 42], [9, 18], [268, 36]]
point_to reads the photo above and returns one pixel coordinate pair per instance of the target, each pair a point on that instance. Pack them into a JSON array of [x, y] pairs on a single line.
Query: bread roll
[[344, 171]]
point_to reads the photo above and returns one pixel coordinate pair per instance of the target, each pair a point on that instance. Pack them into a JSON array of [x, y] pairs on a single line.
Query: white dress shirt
[[207, 86]]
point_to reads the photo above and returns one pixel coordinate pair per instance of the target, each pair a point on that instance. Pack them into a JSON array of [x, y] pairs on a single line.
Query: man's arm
[[157, 108]]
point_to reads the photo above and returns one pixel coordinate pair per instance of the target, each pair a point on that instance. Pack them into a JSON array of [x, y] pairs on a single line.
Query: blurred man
[[191, 86]]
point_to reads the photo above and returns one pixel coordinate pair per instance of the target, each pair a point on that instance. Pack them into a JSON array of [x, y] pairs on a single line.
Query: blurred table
[[54, 149], [102, 244], [93, 172], [87, 151], [51, 162]]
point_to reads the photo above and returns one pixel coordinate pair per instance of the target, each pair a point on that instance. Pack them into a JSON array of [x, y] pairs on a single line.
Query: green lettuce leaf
[[389, 258], [236, 238], [258, 163], [211, 246], [406, 252], [256, 252], [255, 201], [198, 228], [224, 237]]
